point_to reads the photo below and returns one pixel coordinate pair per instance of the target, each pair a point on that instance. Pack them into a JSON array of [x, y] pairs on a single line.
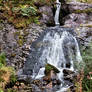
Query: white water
[[53, 53], [56, 18]]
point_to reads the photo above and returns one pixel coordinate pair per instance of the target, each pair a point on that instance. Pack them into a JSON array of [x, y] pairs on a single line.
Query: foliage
[[78, 81], [1, 90], [21, 13], [11, 90], [87, 57], [7, 74], [2, 59], [27, 11]]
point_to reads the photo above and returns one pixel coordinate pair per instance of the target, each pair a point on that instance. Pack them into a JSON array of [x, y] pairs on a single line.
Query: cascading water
[[56, 46], [56, 18]]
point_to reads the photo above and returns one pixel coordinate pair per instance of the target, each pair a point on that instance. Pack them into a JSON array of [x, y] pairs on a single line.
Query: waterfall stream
[[56, 46], [56, 18]]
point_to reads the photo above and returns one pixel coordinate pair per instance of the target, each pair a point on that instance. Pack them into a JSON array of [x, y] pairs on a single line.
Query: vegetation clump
[[21, 13], [87, 80], [7, 74]]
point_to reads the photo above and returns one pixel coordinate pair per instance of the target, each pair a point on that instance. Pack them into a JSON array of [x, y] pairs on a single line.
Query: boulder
[[49, 69], [68, 72]]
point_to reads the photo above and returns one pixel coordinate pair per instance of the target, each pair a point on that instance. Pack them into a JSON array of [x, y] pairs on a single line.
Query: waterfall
[[58, 47], [56, 18], [54, 53]]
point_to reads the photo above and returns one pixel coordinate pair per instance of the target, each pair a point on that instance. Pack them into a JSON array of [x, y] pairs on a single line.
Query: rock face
[[78, 6], [80, 13], [16, 42], [81, 20], [47, 15], [75, 20], [84, 35]]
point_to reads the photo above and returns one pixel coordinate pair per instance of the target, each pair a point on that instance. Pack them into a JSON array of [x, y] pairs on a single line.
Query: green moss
[[86, 25], [1, 28], [89, 10], [11, 90], [49, 67], [90, 26], [2, 59], [21, 40], [21, 37]]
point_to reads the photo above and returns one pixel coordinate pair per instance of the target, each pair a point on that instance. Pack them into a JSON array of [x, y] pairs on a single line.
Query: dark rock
[[68, 72], [35, 88], [64, 11], [47, 15], [47, 79], [37, 82]]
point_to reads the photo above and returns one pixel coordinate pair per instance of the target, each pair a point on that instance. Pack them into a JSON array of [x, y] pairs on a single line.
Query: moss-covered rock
[[49, 67], [86, 25]]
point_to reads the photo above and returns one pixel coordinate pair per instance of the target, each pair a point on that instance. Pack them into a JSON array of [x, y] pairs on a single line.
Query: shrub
[[27, 11], [7, 74], [87, 57]]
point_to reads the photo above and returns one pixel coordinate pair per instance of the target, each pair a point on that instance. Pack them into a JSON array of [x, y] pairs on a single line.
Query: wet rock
[[47, 78], [37, 82], [69, 76], [49, 86], [50, 77], [35, 88], [68, 72]]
